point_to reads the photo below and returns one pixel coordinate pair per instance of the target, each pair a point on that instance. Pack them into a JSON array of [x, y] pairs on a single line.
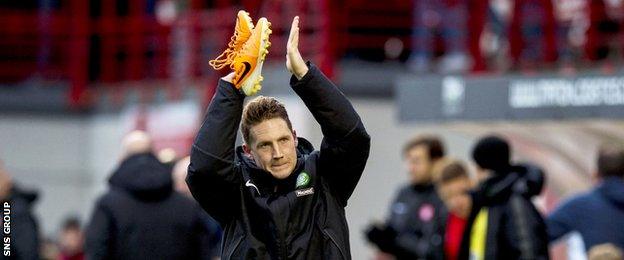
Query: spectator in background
[[572, 21], [605, 252], [453, 184], [449, 17], [503, 223], [415, 227], [140, 217], [212, 239], [71, 240], [597, 215], [532, 33], [606, 19], [24, 229], [487, 28], [477, 20]]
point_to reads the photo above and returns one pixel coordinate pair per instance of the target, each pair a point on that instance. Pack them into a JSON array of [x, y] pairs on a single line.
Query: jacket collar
[[524, 179]]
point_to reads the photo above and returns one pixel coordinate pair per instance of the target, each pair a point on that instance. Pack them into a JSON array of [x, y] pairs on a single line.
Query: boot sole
[[253, 84]]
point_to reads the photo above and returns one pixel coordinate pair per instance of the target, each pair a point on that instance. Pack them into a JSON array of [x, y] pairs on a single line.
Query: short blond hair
[[447, 169]]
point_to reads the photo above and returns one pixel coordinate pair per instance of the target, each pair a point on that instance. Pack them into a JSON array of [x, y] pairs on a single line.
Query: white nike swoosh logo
[[249, 184]]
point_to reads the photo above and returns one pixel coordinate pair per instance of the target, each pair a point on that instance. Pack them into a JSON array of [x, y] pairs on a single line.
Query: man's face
[[273, 147], [454, 194], [5, 182], [71, 241], [483, 174], [418, 164], [179, 176]]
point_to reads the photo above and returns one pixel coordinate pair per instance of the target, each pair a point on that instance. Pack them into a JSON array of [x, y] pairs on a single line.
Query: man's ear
[[294, 133], [246, 149], [595, 177]]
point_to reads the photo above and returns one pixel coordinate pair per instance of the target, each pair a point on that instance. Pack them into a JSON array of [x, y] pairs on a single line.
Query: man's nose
[[455, 202], [277, 152]]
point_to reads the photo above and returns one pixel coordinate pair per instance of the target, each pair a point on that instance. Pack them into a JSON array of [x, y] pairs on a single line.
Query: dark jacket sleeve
[[99, 234], [346, 144], [406, 244], [410, 246], [212, 174], [525, 230], [24, 234]]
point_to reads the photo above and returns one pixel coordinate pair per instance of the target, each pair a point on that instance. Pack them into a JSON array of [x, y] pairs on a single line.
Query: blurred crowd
[[447, 36], [446, 211], [147, 213], [451, 36]]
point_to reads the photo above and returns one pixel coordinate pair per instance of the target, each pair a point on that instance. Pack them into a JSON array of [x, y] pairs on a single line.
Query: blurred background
[[76, 75]]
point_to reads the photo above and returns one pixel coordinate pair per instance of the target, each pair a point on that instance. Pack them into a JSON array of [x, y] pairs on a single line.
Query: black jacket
[[415, 227], [264, 218], [515, 229], [141, 217], [24, 234]]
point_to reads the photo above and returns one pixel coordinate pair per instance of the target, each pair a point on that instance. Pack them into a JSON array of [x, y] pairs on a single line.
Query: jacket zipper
[[281, 245], [335, 243]]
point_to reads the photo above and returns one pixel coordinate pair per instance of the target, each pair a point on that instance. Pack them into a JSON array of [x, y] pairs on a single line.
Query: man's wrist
[[300, 74], [229, 78]]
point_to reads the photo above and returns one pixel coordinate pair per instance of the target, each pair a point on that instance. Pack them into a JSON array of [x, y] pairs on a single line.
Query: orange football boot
[[242, 32], [247, 64]]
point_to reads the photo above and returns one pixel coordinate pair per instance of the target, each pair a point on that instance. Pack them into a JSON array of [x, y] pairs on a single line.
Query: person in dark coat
[[275, 196], [23, 231], [415, 226], [140, 217], [598, 215], [71, 240], [503, 222]]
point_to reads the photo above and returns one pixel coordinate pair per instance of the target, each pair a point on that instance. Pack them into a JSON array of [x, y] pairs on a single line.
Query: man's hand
[[294, 62], [381, 235]]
